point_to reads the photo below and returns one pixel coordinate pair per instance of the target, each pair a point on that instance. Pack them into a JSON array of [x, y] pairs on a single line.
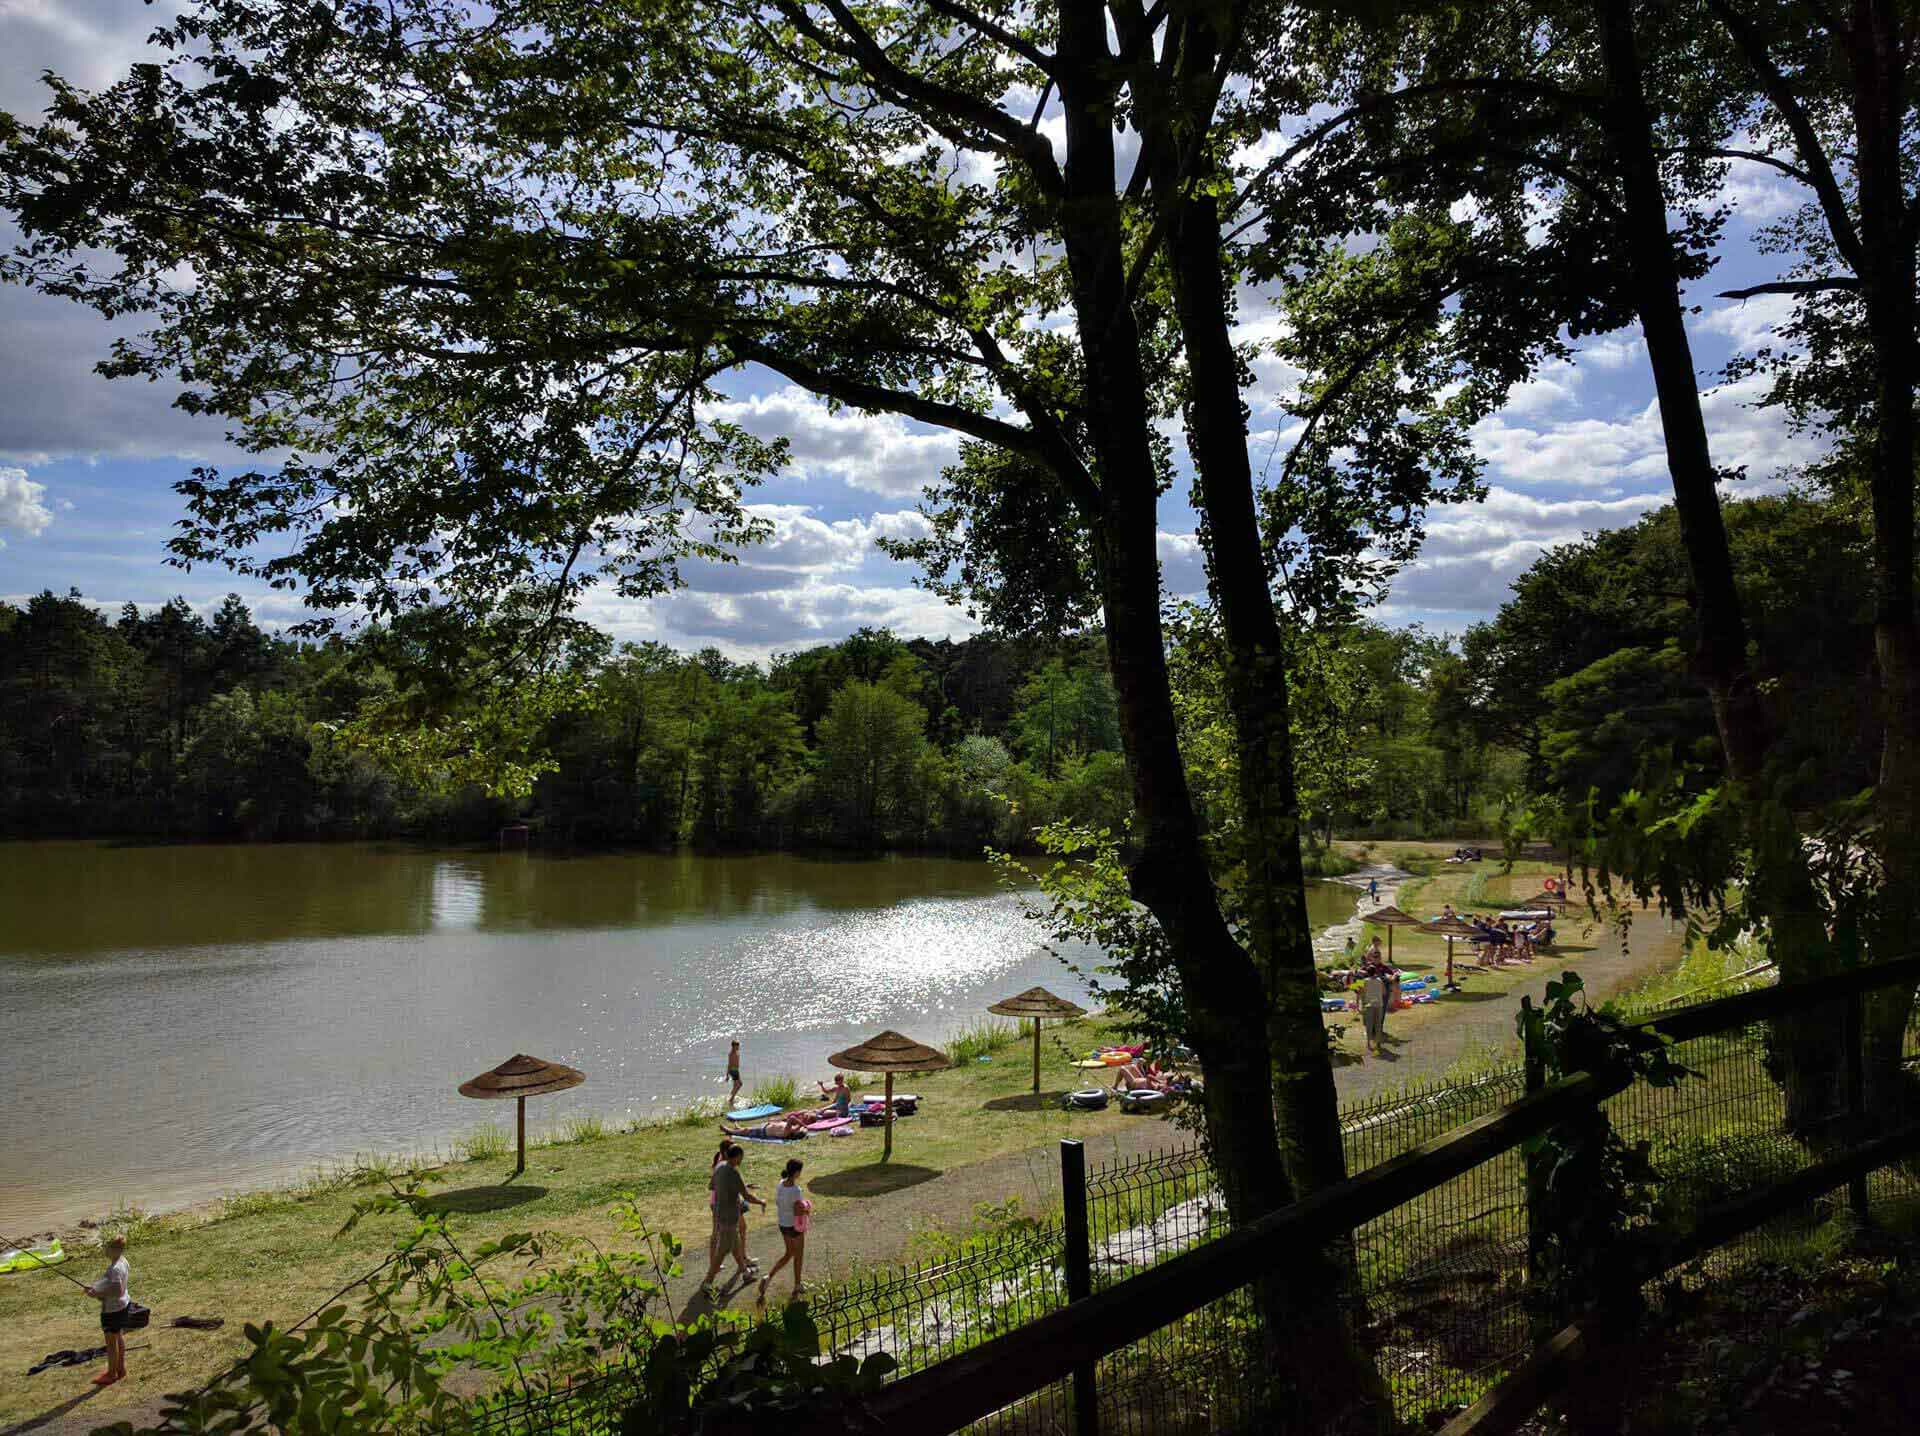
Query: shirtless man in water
[[733, 1072]]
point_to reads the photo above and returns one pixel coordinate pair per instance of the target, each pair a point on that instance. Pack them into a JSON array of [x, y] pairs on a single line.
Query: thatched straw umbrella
[[1449, 928], [1552, 901], [1037, 1003], [890, 1053], [521, 1077], [1390, 918]]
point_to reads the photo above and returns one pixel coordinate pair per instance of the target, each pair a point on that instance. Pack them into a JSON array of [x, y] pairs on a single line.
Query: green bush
[[983, 1039], [485, 1143], [783, 1091]]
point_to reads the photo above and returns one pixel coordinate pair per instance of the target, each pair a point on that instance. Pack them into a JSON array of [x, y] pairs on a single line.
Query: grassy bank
[[274, 1255]]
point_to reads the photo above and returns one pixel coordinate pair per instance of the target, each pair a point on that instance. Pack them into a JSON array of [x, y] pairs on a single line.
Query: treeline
[[166, 724], [1583, 684]]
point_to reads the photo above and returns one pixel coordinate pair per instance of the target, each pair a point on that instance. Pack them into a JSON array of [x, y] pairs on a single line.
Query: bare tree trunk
[[1780, 888], [1170, 876], [1880, 98]]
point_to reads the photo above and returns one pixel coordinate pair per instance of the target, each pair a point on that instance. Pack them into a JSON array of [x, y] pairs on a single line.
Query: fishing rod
[[26, 1250]]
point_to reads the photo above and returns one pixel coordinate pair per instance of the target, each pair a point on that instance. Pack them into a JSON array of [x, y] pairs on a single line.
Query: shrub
[[983, 1039], [782, 1091], [578, 1131], [485, 1143]]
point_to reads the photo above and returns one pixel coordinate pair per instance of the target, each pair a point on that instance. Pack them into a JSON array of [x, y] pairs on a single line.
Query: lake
[[182, 1021]]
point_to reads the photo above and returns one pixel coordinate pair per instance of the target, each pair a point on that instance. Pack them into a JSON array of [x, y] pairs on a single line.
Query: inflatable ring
[[1092, 1099]]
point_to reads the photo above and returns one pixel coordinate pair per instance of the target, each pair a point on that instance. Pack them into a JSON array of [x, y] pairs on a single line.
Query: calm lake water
[[181, 1021]]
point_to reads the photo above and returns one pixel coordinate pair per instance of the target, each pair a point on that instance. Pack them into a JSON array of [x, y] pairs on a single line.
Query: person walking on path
[[733, 1072], [730, 1196], [112, 1292], [1373, 1006], [1373, 889], [792, 1208]]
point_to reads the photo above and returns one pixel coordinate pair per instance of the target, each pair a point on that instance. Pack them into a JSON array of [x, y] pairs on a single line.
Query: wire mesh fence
[[1441, 1298]]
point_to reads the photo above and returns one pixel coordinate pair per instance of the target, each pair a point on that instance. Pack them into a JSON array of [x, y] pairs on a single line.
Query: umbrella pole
[[1389, 944], [887, 1151], [1036, 1059], [521, 1165]]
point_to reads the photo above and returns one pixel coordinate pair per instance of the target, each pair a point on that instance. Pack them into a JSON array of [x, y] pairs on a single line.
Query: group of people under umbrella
[[1451, 926], [888, 1053]]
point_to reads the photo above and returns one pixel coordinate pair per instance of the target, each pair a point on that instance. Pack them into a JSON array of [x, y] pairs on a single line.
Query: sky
[[87, 465]]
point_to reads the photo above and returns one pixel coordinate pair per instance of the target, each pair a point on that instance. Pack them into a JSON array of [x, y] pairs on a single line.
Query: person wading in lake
[[733, 1072], [113, 1294], [730, 1196]]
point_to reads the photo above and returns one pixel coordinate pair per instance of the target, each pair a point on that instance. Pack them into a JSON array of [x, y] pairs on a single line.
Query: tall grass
[[701, 1112], [578, 1131], [782, 1091], [983, 1039], [486, 1143]]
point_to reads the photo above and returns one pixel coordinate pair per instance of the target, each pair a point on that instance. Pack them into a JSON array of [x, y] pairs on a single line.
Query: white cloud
[[1613, 353], [1750, 322], [1555, 384], [1607, 453], [23, 506], [880, 453]]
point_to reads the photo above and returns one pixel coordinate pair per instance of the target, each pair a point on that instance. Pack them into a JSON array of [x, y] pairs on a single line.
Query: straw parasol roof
[[1450, 928], [1391, 917], [1036, 1003], [890, 1053], [1548, 899], [521, 1077]]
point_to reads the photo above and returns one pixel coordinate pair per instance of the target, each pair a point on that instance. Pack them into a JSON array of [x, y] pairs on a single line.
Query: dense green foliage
[[167, 724]]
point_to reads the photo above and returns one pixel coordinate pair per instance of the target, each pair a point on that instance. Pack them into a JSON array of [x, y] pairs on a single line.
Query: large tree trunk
[[1337, 1371], [1879, 110], [1780, 888], [1170, 878]]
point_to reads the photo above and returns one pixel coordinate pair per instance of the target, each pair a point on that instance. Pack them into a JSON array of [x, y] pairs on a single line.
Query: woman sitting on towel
[[779, 1129], [839, 1094]]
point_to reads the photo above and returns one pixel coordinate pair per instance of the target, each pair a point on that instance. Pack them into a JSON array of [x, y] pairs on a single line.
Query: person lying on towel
[[780, 1129]]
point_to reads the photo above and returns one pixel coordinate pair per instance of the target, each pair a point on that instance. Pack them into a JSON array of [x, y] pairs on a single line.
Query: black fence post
[[1536, 1080], [1856, 1037], [1073, 1197]]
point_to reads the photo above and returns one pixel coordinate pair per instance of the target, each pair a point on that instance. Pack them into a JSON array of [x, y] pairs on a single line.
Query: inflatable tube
[[31, 1258], [747, 1114], [1093, 1099], [1145, 1099]]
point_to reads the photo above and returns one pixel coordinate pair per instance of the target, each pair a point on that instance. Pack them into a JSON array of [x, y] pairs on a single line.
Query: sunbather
[[779, 1129], [839, 1094]]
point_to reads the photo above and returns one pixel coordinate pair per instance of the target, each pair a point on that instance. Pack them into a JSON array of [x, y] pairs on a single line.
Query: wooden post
[[1856, 1036], [1036, 1061], [1079, 1265], [521, 1165], [886, 1152]]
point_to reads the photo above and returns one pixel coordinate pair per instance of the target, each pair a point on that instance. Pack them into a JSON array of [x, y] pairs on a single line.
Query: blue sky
[[87, 466]]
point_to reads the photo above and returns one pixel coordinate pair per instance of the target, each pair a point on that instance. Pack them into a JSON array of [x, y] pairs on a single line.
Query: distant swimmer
[[733, 1072]]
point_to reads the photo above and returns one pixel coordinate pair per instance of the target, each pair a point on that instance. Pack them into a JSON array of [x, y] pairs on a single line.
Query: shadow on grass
[[470, 1201], [875, 1180], [1023, 1102], [51, 1414], [1467, 994]]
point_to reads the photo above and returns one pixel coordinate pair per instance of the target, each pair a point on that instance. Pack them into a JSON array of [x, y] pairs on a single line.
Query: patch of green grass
[[701, 1112], [486, 1143], [983, 1039], [782, 1091]]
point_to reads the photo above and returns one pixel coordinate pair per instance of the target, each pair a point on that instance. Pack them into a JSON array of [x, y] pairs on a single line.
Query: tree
[[1064, 713], [540, 251], [872, 742]]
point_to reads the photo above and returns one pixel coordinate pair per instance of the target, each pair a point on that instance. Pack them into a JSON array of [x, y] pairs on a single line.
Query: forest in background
[[168, 724]]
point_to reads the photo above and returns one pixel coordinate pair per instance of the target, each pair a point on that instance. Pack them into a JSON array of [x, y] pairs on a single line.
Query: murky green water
[[185, 1020]]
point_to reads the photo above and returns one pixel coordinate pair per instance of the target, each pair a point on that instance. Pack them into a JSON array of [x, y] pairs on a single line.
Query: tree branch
[[1794, 286], [863, 395], [1752, 156], [1813, 156], [992, 30]]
